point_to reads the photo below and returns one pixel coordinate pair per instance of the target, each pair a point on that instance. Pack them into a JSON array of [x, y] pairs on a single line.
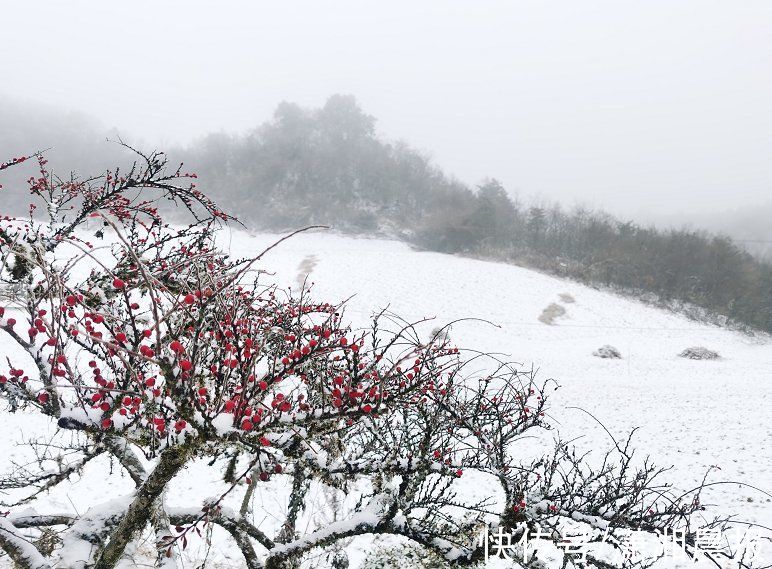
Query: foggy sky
[[638, 107]]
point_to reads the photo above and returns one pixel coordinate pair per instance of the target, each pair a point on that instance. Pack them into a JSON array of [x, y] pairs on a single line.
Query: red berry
[[118, 283], [43, 397], [246, 425], [107, 423], [186, 365], [189, 299]]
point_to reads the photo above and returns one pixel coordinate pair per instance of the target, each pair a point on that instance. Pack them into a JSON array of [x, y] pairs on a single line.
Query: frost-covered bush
[[699, 353], [158, 350], [607, 352], [403, 557]]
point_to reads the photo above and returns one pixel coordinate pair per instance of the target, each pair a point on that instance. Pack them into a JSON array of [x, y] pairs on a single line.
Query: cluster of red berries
[[12, 162]]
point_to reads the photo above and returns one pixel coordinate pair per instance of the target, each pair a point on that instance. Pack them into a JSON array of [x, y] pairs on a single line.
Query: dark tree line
[[327, 165]]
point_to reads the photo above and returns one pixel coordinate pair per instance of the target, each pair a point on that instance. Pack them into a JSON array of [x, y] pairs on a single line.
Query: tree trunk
[[140, 511]]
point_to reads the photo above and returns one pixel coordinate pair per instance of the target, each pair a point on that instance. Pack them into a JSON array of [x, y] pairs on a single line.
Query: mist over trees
[[747, 224], [72, 141], [322, 166], [329, 166]]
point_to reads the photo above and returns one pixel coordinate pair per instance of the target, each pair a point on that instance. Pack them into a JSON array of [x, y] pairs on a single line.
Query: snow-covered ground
[[692, 414]]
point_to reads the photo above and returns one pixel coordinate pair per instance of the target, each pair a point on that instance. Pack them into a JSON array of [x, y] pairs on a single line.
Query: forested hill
[[328, 166]]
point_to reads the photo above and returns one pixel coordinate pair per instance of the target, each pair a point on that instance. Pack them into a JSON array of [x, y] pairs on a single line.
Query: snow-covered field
[[692, 414]]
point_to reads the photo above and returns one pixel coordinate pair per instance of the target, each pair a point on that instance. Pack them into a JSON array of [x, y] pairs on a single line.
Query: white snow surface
[[692, 414]]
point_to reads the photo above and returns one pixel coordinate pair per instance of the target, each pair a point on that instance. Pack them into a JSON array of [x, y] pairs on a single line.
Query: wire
[[714, 328]]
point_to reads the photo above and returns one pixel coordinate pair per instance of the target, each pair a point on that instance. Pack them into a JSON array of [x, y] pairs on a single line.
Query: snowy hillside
[[692, 414]]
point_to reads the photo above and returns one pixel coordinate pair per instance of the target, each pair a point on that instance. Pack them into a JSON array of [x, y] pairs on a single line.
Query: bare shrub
[[552, 313], [305, 268]]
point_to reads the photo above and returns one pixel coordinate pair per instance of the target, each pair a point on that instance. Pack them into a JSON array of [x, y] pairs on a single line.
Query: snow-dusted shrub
[[159, 350], [403, 557], [699, 353], [607, 352], [13, 294]]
